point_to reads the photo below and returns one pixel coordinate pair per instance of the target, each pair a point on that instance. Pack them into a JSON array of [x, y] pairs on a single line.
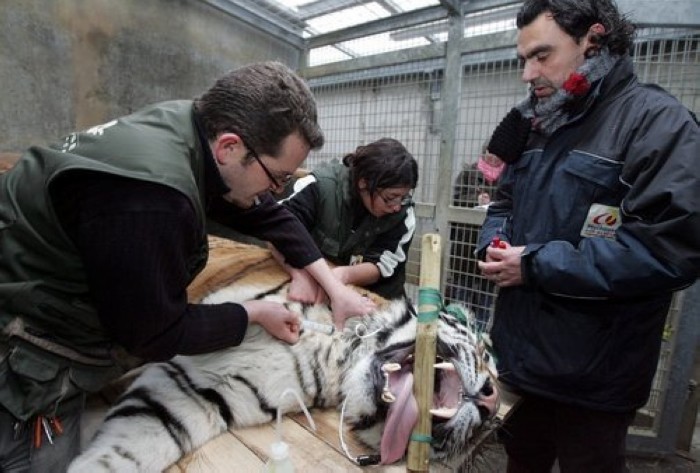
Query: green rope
[[457, 312]]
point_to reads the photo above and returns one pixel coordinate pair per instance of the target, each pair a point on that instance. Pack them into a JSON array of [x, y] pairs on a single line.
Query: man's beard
[[551, 112], [542, 83]]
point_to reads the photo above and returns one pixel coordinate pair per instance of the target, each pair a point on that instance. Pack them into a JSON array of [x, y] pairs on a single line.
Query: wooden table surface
[[246, 450]]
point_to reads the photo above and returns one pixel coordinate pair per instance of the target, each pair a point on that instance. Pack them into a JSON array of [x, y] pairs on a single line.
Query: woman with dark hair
[[360, 215]]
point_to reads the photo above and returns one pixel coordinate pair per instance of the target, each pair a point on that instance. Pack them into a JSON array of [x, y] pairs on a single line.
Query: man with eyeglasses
[[102, 232]]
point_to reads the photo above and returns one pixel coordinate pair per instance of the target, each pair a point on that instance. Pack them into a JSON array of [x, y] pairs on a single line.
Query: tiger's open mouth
[[402, 414]]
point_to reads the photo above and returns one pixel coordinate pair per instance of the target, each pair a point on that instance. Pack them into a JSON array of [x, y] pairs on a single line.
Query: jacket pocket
[[29, 382], [595, 179], [573, 347], [93, 378]]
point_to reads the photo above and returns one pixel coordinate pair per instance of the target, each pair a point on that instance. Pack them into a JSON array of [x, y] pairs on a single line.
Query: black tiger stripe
[[406, 317], [306, 389], [349, 350], [447, 350], [393, 347], [327, 355], [126, 455], [209, 394], [153, 409], [316, 371], [104, 463], [367, 422], [177, 375], [316, 388], [274, 290], [262, 402]]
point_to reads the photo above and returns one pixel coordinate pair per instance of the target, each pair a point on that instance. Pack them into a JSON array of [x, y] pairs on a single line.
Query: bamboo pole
[[426, 335]]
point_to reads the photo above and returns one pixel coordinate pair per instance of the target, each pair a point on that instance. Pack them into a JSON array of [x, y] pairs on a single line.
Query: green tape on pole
[[428, 296], [421, 438]]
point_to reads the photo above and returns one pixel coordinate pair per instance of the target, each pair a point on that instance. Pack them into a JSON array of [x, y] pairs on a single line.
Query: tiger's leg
[[167, 413]]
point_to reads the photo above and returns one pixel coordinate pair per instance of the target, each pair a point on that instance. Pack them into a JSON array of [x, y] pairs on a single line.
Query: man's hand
[[275, 318], [502, 265]]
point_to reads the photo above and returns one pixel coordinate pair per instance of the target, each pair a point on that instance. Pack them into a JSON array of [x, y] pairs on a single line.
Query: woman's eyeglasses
[[398, 200]]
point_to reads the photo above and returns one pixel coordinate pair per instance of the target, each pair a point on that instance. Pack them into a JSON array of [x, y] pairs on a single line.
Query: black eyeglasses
[[403, 200], [278, 183]]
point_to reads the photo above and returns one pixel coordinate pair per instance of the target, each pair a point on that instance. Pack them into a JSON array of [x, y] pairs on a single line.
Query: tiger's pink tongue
[[402, 416]]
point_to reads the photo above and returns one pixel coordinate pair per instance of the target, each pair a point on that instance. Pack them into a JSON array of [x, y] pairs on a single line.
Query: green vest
[[50, 329], [333, 231]]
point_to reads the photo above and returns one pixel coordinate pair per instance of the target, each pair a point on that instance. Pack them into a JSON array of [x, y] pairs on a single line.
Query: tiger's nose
[[489, 398]]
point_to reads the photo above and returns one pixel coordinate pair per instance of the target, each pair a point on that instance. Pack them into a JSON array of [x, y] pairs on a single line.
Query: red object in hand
[[497, 243]]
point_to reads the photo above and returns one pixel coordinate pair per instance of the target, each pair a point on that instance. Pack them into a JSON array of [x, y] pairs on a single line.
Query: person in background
[[598, 214], [101, 233], [475, 185], [360, 215], [477, 182]]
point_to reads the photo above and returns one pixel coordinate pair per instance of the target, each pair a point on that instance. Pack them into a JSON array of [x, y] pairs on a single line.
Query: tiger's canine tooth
[[444, 412], [391, 367]]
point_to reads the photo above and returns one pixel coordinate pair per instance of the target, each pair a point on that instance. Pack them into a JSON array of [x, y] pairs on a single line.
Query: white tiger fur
[[175, 407]]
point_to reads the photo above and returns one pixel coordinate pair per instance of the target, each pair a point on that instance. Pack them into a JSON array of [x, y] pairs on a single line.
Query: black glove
[[510, 137]]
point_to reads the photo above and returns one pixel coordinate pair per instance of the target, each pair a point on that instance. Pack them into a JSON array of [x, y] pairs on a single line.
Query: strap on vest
[[17, 329]]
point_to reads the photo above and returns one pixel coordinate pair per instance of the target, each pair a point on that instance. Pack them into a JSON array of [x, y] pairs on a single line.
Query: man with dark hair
[[100, 234], [598, 217]]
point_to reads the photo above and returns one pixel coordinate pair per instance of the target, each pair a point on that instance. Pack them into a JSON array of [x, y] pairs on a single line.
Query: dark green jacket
[[51, 330]]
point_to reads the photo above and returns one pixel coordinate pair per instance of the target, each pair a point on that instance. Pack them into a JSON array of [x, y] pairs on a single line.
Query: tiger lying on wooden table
[[175, 407]]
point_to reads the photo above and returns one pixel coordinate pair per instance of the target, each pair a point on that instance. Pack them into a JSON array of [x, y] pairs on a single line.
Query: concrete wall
[[70, 64]]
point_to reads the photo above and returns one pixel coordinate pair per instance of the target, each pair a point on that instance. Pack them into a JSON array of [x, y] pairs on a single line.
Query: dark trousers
[[18, 453], [540, 431]]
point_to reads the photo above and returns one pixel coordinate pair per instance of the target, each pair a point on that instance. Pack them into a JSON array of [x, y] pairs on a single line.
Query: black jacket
[[585, 327]]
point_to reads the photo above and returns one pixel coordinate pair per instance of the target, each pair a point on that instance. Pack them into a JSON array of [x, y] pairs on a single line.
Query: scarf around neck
[[550, 115]]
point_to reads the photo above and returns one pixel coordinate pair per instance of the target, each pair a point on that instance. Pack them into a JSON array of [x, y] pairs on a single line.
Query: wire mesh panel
[[359, 112], [489, 90], [671, 59], [400, 106]]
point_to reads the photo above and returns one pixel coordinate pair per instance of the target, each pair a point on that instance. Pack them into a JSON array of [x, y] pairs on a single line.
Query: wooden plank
[[223, 454], [327, 422], [308, 452], [248, 449]]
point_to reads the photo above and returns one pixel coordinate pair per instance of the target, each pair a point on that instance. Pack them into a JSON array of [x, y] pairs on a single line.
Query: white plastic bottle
[[279, 461]]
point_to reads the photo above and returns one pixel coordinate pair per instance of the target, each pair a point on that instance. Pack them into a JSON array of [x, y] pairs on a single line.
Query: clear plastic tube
[[279, 461]]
